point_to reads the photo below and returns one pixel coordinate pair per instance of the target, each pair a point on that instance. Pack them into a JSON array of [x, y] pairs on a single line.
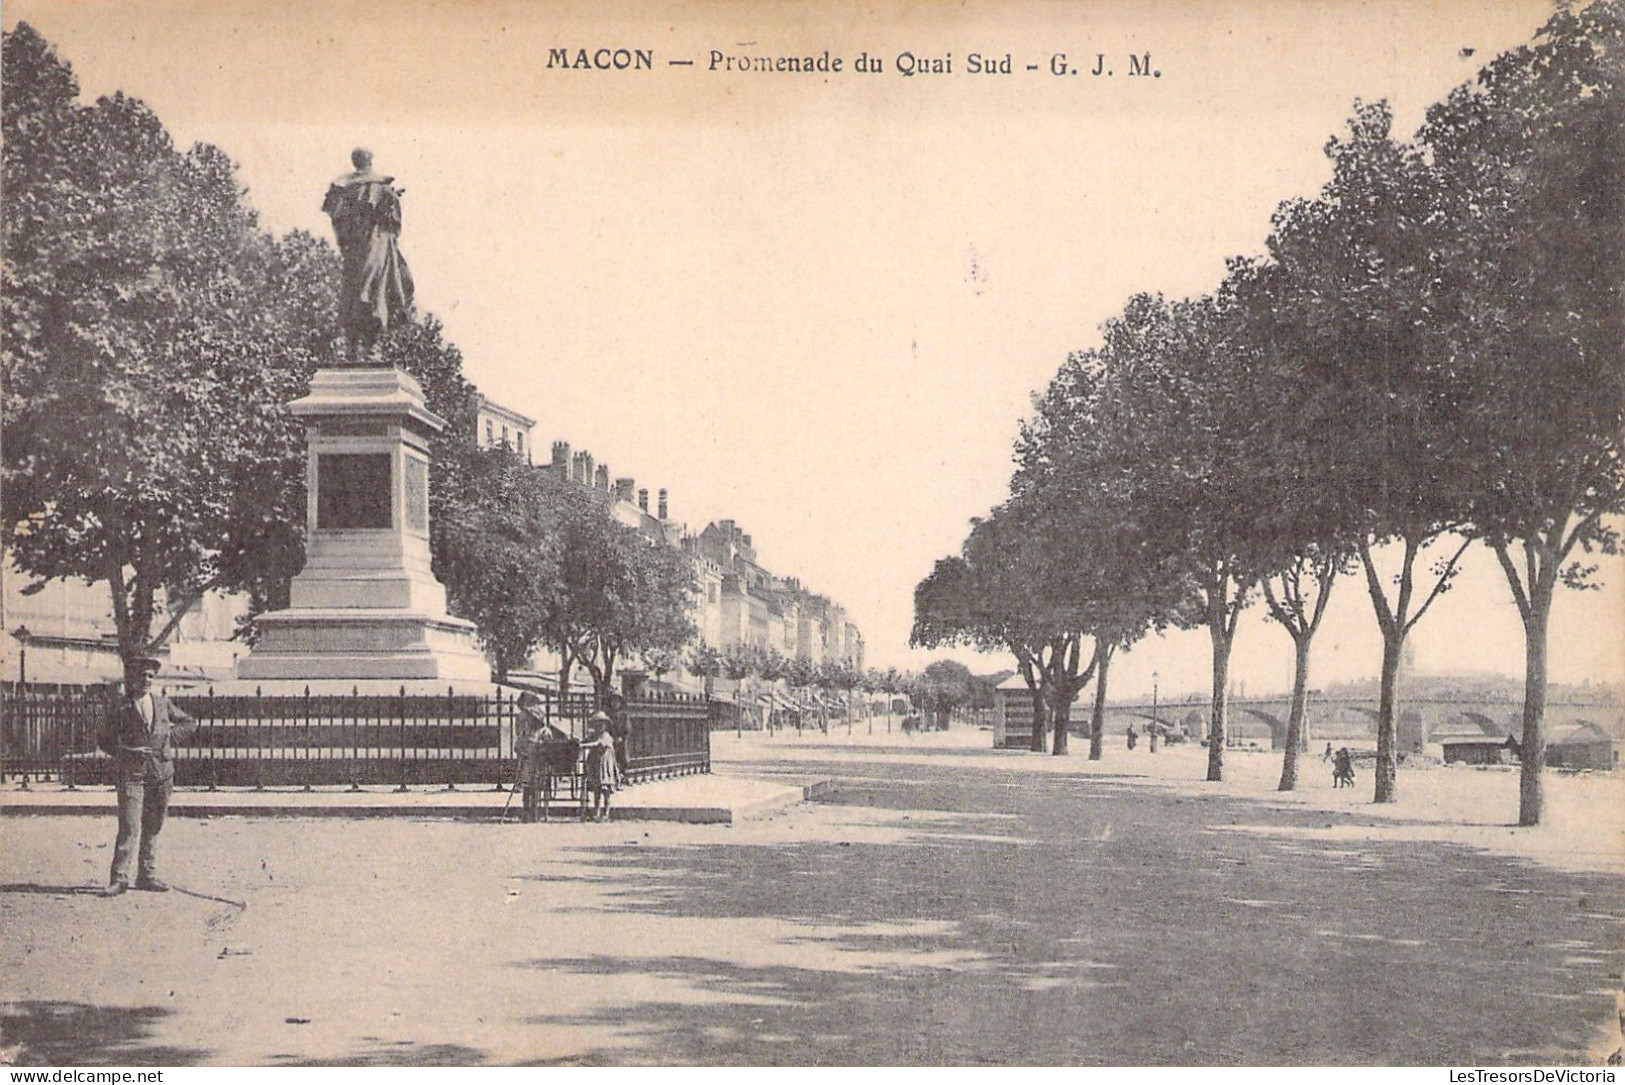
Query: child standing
[[602, 774]]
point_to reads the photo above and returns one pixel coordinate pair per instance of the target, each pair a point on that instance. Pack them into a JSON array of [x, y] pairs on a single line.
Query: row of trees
[[941, 688], [153, 337], [536, 562], [1428, 356], [748, 663]]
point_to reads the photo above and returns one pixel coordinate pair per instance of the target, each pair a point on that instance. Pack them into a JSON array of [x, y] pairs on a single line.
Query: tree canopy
[[1429, 352], [153, 335]]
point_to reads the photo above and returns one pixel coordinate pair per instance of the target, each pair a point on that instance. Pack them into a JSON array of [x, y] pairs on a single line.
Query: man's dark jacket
[[141, 748]]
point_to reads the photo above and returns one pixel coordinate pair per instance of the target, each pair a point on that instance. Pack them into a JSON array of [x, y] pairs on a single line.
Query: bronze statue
[[377, 288]]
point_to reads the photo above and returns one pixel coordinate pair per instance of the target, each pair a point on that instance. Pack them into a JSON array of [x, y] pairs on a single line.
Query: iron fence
[[670, 736], [309, 739], [43, 723]]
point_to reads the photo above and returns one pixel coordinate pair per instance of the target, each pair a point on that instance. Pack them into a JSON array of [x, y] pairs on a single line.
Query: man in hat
[[139, 734], [538, 733]]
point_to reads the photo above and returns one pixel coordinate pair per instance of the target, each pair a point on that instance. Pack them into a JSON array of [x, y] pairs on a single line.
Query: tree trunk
[[1221, 680], [142, 604], [1531, 796], [1040, 715], [1062, 721], [1386, 770], [1097, 719], [1294, 723], [121, 616]]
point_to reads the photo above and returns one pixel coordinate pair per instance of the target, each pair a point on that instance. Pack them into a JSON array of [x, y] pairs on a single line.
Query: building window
[[519, 435], [504, 436], [490, 434]]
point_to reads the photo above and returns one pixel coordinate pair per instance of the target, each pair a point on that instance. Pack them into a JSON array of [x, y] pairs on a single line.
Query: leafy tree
[[872, 681], [620, 593], [894, 681], [1302, 541], [837, 674], [1532, 153], [499, 556], [985, 598], [1362, 265], [944, 687], [771, 664], [704, 662], [153, 336], [1105, 578], [800, 672], [661, 661], [739, 662], [1057, 604], [1185, 431]]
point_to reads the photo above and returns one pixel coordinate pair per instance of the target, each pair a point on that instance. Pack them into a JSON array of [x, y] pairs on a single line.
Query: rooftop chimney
[[561, 456], [586, 468], [662, 513], [624, 489], [600, 481], [643, 500]]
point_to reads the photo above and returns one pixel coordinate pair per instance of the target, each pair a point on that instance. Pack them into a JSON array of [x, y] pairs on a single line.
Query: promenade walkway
[[705, 799]]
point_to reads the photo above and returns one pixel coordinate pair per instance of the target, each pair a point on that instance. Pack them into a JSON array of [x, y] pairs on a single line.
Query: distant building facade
[[757, 608], [65, 632], [496, 426]]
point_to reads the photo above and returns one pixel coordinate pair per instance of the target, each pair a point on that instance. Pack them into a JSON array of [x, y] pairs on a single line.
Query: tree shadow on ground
[[80, 1034], [36, 889], [399, 1053], [1116, 926]]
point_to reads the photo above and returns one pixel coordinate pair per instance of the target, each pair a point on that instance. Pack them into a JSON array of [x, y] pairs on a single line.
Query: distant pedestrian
[[602, 773], [139, 733], [1133, 737], [1327, 756], [1343, 768]]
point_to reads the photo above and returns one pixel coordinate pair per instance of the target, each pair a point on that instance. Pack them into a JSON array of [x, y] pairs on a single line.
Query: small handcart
[[555, 761]]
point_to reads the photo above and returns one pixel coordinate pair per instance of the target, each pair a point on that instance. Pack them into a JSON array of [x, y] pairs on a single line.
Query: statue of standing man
[[377, 288]]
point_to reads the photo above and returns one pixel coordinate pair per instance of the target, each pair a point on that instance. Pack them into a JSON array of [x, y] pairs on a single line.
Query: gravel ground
[[946, 904]]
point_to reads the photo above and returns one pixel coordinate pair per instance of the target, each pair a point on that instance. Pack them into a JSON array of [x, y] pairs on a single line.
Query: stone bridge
[[1329, 719]]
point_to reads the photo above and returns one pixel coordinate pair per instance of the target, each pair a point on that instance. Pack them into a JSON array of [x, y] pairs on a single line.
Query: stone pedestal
[[366, 605]]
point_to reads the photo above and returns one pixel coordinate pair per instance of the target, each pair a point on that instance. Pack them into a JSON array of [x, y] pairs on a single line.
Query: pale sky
[[819, 306]]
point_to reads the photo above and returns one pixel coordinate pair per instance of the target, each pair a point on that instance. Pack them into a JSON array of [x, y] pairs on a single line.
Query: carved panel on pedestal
[[417, 495], [353, 491]]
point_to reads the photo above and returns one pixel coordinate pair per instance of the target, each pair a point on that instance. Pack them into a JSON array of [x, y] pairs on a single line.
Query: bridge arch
[[1484, 723], [1277, 726]]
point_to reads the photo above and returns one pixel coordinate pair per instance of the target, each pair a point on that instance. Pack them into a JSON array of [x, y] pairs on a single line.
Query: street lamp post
[[22, 635], [21, 701], [1156, 722]]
